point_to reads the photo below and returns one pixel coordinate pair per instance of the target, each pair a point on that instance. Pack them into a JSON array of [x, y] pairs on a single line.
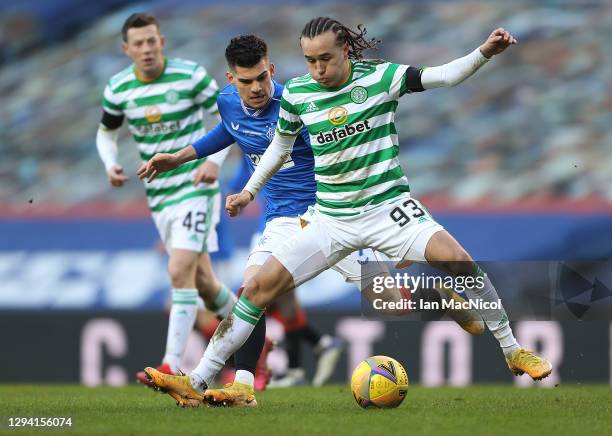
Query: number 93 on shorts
[[191, 224], [399, 229]]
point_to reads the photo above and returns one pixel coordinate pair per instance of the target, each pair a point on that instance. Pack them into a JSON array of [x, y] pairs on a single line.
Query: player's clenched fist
[[116, 176], [160, 163], [236, 202], [499, 40]]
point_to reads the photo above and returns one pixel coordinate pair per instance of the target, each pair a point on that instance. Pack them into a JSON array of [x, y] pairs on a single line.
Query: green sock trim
[[244, 317], [247, 311], [184, 296], [222, 298], [250, 307]]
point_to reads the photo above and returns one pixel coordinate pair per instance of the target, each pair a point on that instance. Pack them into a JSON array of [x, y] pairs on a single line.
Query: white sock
[[224, 302], [245, 377], [495, 319], [230, 335], [182, 318]]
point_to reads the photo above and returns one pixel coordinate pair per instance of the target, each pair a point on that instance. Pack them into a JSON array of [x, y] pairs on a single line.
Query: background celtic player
[[363, 198], [163, 101]]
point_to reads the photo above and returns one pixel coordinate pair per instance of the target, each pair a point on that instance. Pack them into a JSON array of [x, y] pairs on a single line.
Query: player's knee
[[176, 278], [181, 275]]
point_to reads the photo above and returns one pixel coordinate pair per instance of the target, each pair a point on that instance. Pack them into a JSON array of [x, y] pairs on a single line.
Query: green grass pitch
[[478, 410]]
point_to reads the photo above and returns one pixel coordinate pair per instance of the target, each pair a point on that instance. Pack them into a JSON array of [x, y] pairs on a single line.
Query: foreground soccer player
[[162, 99], [249, 110], [363, 198]]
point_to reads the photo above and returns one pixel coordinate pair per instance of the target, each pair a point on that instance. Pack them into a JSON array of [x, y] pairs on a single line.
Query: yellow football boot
[[232, 395], [177, 386], [521, 361]]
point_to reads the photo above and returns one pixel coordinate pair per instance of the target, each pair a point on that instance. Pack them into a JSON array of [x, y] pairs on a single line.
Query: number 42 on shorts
[[197, 220]]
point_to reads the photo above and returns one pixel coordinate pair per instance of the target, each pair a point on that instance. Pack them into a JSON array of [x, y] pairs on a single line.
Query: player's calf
[[271, 281], [468, 319]]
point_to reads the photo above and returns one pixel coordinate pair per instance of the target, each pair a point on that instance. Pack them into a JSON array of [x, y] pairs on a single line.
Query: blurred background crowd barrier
[[516, 162]]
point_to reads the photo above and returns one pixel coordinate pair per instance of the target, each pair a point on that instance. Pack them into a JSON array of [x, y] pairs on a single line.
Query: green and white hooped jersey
[[352, 135], [165, 115]]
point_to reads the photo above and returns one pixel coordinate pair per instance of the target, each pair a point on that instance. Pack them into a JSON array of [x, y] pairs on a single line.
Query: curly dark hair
[[245, 51], [138, 19], [355, 39]]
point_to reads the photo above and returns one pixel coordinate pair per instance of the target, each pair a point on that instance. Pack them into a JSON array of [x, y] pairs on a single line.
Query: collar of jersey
[[143, 80], [337, 88]]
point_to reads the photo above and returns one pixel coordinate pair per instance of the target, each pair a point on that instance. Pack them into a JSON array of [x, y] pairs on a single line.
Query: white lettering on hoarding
[[98, 336]]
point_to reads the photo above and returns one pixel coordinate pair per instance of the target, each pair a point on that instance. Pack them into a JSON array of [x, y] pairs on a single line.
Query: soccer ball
[[379, 381]]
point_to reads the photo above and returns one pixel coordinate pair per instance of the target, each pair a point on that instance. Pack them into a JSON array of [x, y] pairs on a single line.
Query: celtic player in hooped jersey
[[249, 109], [363, 198], [163, 101]]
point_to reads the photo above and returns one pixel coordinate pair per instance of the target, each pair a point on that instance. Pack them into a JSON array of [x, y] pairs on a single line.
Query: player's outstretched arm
[[272, 160], [215, 144], [457, 71], [276, 154], [164, 162]]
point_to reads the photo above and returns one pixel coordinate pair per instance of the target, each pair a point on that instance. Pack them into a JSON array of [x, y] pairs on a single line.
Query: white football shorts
[[399, 229], [354, 267], [190, 224]]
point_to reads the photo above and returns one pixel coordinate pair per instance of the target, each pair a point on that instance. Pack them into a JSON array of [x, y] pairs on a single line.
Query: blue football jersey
[[292, 189]]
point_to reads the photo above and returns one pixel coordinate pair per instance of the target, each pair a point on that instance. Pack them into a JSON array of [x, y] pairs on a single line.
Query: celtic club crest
[[171, 96], [359, 94]]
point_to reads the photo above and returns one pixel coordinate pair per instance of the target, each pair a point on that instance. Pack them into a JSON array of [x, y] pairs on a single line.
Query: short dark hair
[[138, 19], [356, 40], [245, 51]]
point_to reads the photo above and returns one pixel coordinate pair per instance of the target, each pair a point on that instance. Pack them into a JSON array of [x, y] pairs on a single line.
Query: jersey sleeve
[[214, 141], [411, 81], [110, 103], [289, 121], [206, 90], [112, 116], [404, 79]]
